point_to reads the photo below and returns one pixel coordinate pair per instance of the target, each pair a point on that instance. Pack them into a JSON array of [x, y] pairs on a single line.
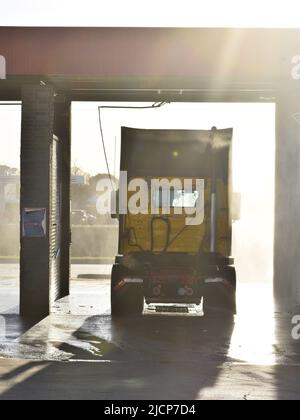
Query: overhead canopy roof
[[113, 63]]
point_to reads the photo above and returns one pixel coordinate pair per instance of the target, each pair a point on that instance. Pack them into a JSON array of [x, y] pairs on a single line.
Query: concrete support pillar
[[36, 138], [287, 206], [45, 185]]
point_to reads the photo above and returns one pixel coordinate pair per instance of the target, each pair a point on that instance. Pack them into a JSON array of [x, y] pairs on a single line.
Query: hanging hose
[[167, 222]]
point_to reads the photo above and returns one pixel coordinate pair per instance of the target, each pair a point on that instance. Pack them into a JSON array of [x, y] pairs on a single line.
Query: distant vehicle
[[81, 217]]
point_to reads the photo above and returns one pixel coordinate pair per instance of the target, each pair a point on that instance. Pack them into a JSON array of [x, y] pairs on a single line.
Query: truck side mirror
[[236, 206]]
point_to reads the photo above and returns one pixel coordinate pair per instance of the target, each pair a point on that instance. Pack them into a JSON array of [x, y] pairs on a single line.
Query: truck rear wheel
[[220, 298], [126, 300]]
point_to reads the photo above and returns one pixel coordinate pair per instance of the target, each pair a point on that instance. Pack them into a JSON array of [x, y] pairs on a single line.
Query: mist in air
[[253, 163], [253, 169]]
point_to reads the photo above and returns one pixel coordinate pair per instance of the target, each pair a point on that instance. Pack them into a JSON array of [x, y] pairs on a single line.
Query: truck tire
[[220, 298], [127, 300]]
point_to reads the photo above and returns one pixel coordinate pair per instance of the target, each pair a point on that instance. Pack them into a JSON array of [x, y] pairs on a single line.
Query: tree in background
[[85, 195], [79, 188]]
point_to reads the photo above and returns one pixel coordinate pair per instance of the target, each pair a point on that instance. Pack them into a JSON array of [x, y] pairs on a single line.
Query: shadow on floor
[[152, 357], [13, 326]]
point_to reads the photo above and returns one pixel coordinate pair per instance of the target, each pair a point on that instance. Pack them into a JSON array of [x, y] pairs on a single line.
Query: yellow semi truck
[[176, 247]]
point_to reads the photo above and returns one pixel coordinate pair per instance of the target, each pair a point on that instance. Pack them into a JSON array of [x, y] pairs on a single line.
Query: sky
[[188, 13]]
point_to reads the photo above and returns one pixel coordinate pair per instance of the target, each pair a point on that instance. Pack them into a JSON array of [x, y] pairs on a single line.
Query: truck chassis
[[173, 278]]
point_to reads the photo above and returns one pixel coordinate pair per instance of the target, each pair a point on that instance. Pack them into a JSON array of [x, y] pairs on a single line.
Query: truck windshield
[[176, 198]]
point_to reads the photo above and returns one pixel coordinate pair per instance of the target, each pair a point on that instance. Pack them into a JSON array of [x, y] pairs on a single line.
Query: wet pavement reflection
[[250, 356]]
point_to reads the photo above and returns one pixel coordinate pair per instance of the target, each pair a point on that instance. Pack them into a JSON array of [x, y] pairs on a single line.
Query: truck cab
[[175, 233]]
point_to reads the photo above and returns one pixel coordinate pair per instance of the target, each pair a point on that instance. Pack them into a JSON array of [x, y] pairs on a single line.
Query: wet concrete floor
[[79, 352]]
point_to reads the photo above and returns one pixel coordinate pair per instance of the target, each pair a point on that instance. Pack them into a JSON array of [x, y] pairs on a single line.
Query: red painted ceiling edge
[[217, 54]]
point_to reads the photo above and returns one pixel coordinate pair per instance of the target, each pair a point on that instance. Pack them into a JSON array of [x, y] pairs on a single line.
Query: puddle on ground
[[89, 348]]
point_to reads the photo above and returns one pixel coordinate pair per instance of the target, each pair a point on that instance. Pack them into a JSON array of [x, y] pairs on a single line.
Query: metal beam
[[208, 64], [203, 52]]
